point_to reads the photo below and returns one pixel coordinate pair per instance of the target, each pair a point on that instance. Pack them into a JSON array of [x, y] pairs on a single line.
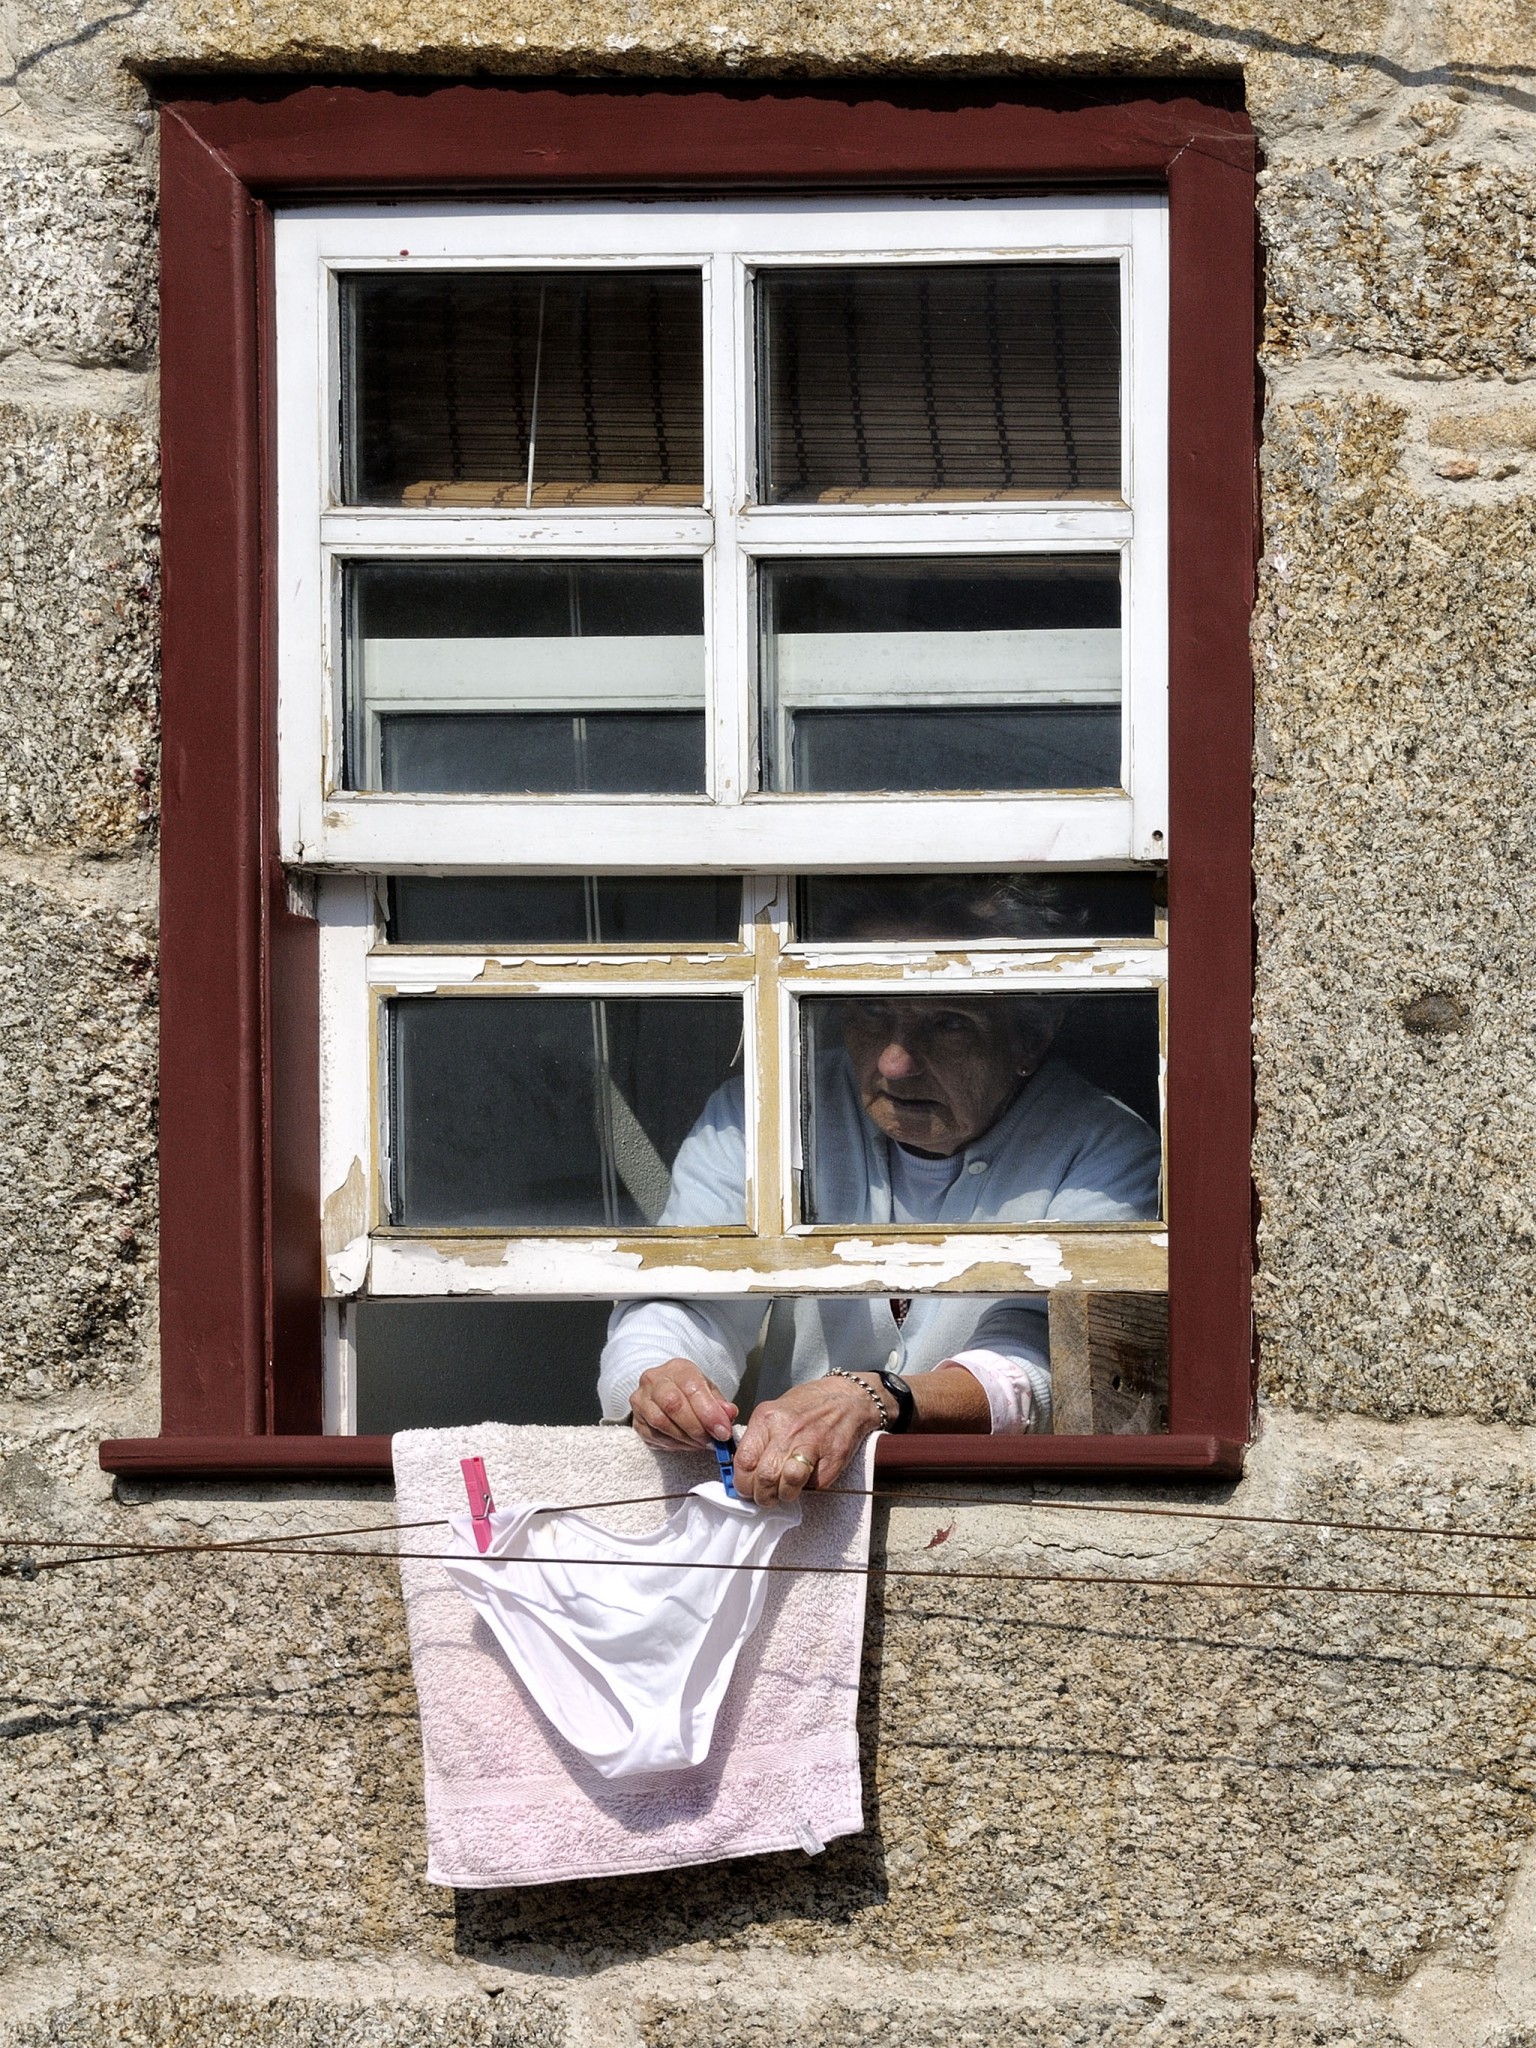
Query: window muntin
[[749, 804], [773, 981]]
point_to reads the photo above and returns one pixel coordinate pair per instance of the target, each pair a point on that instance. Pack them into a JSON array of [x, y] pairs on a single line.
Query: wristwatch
[[901, 1394]]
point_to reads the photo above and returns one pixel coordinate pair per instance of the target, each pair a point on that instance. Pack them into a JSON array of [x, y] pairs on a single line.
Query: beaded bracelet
[[838, 1372]]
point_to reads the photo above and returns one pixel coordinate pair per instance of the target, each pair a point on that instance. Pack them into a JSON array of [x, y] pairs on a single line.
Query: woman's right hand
[[676, 1409]]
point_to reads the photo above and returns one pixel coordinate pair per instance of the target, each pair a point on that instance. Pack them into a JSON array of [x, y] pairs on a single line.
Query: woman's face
[[933, 1073]]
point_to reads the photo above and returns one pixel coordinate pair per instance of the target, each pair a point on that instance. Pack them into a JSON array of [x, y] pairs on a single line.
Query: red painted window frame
[[240, 1265]]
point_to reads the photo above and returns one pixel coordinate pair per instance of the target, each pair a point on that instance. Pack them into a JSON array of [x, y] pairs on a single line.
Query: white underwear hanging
[[629, 1658]]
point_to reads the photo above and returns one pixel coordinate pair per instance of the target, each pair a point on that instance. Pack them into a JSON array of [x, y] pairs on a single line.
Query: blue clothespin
[[725, 1459]]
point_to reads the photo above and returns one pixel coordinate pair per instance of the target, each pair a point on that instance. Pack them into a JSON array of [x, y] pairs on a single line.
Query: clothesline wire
[[871, 1571], [909, 1495]]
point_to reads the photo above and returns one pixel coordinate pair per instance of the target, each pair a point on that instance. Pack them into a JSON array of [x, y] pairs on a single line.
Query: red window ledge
[[931, 1457]]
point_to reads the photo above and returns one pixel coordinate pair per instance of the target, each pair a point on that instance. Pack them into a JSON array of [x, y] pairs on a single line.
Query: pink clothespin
[[481, 1506]]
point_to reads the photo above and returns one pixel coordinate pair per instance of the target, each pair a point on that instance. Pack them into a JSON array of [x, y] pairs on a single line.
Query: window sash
[[323, 826], [774, 1251]]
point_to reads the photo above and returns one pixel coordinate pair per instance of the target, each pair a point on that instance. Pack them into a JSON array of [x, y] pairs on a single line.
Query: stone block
[[1060, 1772], [1151, 2020], [1396, 876], [1486, 429], [209, 2019], [1298, 54], [1486, 46], [213, 1755], [78, 558], [77, 1086], [77, 255], [1413, 257]]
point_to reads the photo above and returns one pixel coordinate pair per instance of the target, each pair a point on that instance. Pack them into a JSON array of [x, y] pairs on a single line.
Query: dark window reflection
[[959, 750], [603, 753], [529, 388], [549, 1113], [960, 908], [939, 381], [942, 673], [448, 1364], [558, 910], [478, 678]]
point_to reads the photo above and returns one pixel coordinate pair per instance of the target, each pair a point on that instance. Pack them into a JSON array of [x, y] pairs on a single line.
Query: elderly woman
[[932, 1111]]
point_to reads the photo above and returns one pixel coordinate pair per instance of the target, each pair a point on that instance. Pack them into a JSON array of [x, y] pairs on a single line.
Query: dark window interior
[[980, 380], [1076, 908], [454, 380], [534, 1112], [564, 910]]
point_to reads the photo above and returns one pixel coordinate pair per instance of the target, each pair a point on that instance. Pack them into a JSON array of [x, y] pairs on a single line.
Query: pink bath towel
[[509, 1801]]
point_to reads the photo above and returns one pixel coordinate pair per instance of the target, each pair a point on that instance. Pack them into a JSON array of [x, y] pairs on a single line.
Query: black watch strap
[[901, 1394]]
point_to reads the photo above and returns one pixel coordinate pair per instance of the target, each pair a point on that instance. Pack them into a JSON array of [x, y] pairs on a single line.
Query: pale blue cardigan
[[1063, 1151]]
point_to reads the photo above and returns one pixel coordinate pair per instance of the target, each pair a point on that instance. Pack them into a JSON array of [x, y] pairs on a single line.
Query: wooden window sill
[[964, 1458]]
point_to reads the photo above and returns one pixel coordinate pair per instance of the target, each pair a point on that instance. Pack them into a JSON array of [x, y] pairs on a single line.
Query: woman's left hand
[[808, 1434]]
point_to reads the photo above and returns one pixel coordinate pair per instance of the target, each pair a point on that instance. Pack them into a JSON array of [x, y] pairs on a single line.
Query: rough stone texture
[[224, 1751], [1498, 427], [1485, 43], [1425, 260], [1134, 2022], [177, 2019], [1396, 860], [211, 1754], [1061, 1772], [77, 628], [1303, 61], [77, 1048], [77, 268], [765, 35], [1243, 1819]]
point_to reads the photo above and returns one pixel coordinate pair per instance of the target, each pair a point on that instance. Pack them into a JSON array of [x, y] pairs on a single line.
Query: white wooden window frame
[[349, 838], [734, 827]]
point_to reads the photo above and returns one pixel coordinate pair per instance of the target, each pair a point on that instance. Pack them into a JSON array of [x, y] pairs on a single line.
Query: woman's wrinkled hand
[[676, 1409], [808, 1434]]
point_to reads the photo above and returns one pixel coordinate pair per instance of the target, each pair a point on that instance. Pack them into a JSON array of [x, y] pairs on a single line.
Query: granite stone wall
[[1102, 1818]]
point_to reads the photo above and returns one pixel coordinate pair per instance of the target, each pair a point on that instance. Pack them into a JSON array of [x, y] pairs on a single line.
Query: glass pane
[[950, 1110], [564, 910], [940, 382], [974, 673], [524, 389], [445, 1364], [967, 908], [553, 1113], [514, 677]]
